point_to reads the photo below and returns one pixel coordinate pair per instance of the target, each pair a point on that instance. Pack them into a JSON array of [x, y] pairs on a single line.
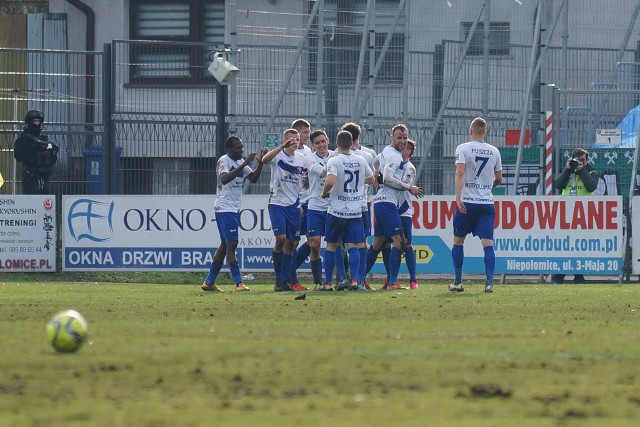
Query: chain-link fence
[[313, 63]]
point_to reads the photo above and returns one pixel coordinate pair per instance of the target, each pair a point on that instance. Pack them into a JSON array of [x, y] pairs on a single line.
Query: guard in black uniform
[[38, 155]]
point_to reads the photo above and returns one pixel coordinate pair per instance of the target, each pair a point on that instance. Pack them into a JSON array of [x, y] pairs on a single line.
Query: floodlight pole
[[222, 109]]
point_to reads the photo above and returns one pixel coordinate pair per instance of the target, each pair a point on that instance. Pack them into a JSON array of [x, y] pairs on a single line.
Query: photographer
[[37, 153], [578, 178]]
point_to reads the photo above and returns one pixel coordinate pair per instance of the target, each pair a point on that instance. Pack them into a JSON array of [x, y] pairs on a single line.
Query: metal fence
[[67, 86], [162, 109]]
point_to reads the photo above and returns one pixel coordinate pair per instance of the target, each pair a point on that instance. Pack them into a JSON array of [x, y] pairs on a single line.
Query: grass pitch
[[170, 354]]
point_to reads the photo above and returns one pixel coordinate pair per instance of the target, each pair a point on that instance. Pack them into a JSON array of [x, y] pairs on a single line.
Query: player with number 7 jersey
[[478, 170], [481, 160]]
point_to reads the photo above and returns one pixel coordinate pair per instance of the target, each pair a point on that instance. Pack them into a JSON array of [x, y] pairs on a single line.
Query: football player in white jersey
[[304, 130], [356, 133], [385, 204], [231, 171], [405, 209], [302, 252], [317, 210], [287, 174], [478, 170], [347, 175], [368, 154]]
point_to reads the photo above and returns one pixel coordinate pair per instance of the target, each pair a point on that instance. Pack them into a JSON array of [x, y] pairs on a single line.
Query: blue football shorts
[[316, 221], [478, 220], [347, 230], [387, 220], [228, 224], [285, 220]]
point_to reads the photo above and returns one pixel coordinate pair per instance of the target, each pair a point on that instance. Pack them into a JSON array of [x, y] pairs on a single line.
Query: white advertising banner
[[27, 233], [158, 233], [533, 235]]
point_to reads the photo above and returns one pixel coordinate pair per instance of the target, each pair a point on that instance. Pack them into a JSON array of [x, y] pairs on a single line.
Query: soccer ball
[[67, 331]]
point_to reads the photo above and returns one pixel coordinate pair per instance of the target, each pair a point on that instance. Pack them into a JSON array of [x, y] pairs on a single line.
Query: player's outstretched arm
[[328, 186], [269, 156], [317, 169], [255, 175]]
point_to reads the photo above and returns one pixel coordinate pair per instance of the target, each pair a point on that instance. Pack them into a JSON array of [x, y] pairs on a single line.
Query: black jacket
[[36, 153]]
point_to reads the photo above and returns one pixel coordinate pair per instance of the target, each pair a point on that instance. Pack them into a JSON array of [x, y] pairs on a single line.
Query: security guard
[[38, 155]]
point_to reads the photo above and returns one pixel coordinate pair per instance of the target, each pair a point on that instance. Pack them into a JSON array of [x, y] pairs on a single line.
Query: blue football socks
[[457, 255], [354, 262], [489, 263], [235, 272], [214, 270], [410, 260], [329, 265]]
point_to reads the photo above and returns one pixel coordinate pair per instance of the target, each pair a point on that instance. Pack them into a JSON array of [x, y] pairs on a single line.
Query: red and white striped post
[[550, 108], [548, 158]]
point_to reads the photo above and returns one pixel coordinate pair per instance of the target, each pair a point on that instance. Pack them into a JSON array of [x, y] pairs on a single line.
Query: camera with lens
[[573, 163]]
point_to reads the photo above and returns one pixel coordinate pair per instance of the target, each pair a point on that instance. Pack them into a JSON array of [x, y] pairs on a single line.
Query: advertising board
[[533, 235], [27, 233]]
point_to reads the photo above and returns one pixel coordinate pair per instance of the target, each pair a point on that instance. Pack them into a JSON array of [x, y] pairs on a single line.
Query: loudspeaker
[[223, 71]]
